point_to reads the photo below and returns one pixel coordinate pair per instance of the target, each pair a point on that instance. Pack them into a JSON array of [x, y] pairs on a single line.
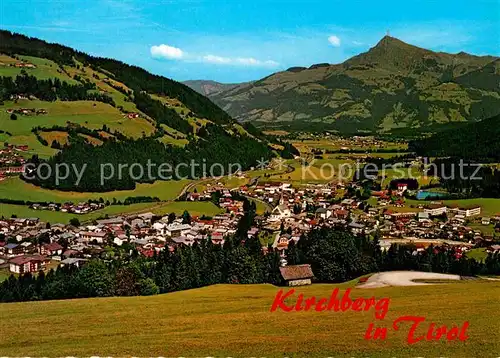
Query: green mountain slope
[[393, 85], [211, 88], [70, 107], [473, 141]]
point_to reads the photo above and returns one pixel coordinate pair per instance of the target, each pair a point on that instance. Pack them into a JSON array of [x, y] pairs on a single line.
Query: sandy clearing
[[404, 278]]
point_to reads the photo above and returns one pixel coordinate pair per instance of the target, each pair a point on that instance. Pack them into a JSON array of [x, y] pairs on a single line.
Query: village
[[12, 160], [29, 245]]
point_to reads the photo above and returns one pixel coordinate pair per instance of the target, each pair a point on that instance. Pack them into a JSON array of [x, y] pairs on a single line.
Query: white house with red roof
[[25, 264]]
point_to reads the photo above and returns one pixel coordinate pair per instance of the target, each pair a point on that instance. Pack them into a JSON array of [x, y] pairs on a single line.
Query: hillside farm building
[[297, 275]]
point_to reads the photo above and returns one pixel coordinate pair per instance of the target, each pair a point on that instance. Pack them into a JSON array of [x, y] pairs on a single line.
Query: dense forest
[[161, 113], [211, 155], [476, 141], [50, 89]]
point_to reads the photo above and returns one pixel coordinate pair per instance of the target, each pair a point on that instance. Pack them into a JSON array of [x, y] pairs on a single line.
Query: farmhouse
[[13, 250], [71, 261], [297, 275], [88, 236], [25, 264], [51, 249]]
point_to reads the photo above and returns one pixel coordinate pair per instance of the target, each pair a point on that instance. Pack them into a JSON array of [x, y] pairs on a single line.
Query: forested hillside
[[208, 88], [475, 141], [70, 107], [134, 77]]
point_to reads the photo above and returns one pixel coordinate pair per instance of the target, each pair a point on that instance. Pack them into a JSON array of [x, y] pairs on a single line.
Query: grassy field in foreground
[[235, 320]]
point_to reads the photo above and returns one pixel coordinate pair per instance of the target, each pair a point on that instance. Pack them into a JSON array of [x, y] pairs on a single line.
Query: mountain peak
[[391, 53], [389, 41]]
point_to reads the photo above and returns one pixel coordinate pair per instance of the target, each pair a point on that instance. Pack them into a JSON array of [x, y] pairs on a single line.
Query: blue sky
[[235, 41]]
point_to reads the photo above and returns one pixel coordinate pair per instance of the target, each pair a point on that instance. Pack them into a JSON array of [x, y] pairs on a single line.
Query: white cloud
[[166, 51], [250, 61], [334, 40], [238, 61], [357, 43], [170, 52]]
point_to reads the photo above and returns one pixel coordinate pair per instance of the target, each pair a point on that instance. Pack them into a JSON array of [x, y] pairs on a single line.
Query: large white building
[[435, 210], [280, 212]]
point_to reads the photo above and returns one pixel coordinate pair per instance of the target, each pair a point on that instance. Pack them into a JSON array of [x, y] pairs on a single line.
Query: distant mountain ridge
[[394, 85], [210, 88]]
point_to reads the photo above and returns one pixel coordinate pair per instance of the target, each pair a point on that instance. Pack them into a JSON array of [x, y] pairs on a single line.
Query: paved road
[[404, 278], [189, 186]]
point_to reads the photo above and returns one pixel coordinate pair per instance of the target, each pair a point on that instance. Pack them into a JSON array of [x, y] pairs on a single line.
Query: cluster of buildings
[[291, 213], [68, 207], [22, 252], [24, 65], [27, 111], [11, 160]]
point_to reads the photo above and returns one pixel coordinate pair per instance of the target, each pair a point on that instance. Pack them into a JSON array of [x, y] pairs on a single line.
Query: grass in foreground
[[235, 320]]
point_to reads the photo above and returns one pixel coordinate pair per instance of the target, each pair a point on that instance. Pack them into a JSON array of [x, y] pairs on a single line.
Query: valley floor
[[235, 320]]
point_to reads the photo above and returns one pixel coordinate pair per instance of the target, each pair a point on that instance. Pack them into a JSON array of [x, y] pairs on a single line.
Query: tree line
[[477, 141], [466, 179], [335, 255], [50, 89]]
